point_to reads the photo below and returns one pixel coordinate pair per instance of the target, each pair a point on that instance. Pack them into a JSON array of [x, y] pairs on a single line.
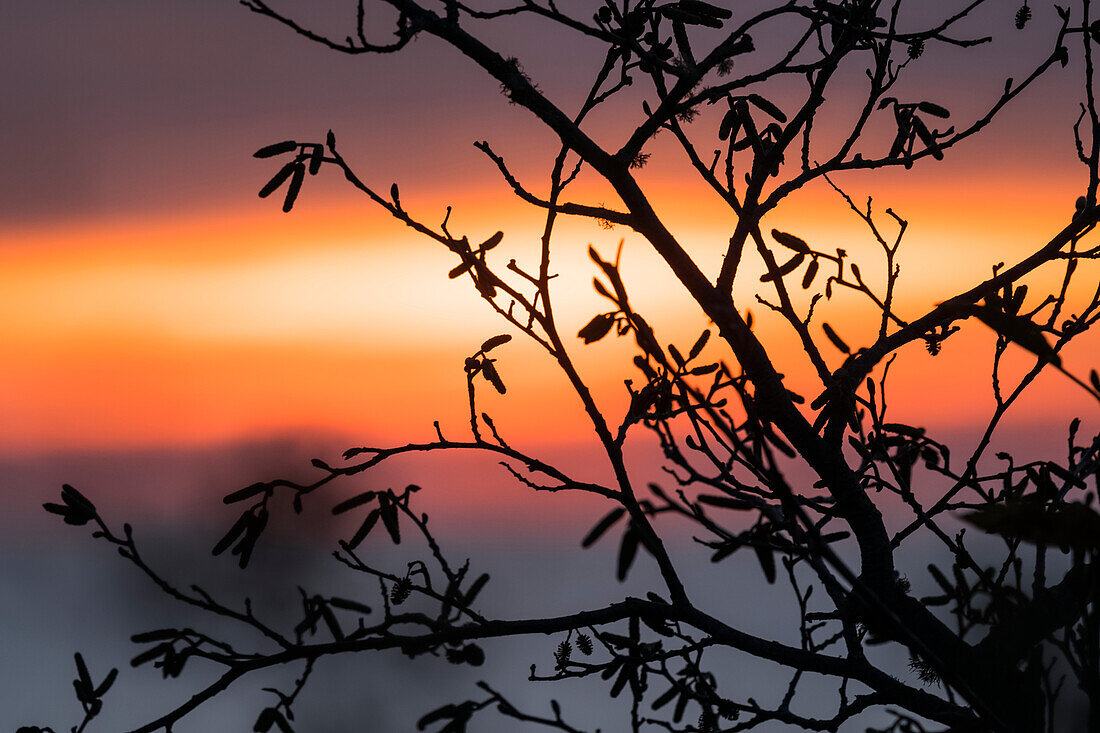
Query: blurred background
[[169, 337]]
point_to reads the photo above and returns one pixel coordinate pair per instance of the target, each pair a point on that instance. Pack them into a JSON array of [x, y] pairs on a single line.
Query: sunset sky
[[168, 337], [148, 298]]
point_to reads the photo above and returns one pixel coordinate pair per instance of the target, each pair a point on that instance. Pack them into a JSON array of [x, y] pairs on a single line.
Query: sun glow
[[338, 319]]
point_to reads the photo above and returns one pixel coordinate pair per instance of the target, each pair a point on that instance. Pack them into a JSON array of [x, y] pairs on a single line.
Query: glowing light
[[233, 323]]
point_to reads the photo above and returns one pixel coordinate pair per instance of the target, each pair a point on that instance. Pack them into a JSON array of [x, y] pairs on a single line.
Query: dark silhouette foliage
[[1013, 627]]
